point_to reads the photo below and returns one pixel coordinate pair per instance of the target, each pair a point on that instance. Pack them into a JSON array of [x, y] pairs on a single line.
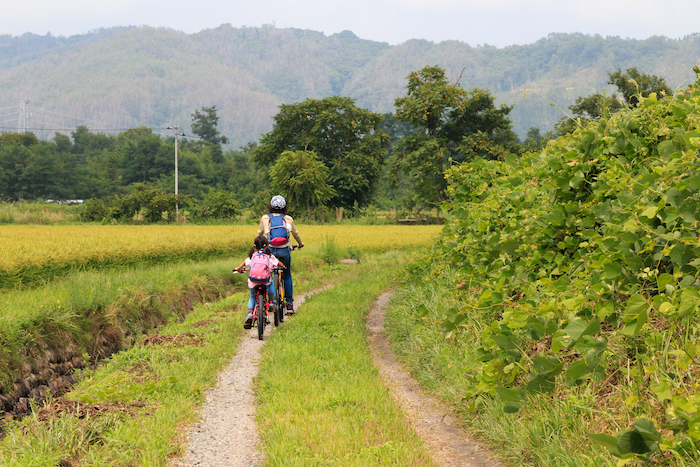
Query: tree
[[533, 139], [346, 138], [301, 177], [587, 109], [632, 84], [146, 159], [216, 205], [204, 125], [447, 117]]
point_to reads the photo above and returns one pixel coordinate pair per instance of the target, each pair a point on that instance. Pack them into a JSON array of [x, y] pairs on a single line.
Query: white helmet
[[278, 202]]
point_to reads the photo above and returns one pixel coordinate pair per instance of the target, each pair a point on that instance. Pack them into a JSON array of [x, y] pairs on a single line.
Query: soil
[[448, 445]]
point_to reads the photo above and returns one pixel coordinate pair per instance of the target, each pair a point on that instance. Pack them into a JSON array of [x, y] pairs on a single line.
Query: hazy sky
[[476, 22]]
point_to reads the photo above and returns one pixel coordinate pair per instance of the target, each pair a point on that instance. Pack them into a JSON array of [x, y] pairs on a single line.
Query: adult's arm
[[263, 224], [295, 233]]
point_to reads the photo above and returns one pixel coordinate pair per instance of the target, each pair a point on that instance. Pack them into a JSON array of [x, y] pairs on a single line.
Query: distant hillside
[[123, 77]]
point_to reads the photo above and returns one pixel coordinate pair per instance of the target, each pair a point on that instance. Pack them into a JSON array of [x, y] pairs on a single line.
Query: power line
[[62, 129], [73, 116]]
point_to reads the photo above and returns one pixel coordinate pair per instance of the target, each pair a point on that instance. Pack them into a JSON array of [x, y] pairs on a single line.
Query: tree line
[[323, 154]]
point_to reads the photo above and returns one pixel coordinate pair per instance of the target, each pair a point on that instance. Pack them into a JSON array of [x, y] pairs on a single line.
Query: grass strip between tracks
[[321, 400]]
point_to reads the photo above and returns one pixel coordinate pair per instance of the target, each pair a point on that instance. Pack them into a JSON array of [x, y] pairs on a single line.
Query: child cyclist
[[260, 244]]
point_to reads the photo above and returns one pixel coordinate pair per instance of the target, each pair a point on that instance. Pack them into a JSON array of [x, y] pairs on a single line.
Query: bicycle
[[280, 310], [261, 303]]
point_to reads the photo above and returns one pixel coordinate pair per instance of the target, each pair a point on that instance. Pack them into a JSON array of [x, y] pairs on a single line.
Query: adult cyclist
[[280, 247]]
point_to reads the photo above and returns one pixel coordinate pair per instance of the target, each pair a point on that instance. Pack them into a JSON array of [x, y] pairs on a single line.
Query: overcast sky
[[476, 22]]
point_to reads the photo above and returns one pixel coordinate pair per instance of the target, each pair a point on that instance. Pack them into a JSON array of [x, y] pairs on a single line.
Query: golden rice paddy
[[25, 247]]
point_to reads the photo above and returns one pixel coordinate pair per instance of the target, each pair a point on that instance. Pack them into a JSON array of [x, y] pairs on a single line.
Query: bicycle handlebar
[[276, 268]]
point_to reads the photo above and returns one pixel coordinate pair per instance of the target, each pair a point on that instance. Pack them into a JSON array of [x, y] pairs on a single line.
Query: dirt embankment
[[50, 361]]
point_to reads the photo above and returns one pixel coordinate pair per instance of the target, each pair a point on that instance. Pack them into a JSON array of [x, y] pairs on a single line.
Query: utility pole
[[24, 116], [177, 207]]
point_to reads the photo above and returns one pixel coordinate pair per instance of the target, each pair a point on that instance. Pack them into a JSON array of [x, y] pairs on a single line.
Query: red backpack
[[260, 268]]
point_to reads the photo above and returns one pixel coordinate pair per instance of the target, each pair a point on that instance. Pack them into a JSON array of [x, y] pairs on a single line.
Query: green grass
[[167, 382], [26, 212], [157, 389], [321, 400], [68, 316]]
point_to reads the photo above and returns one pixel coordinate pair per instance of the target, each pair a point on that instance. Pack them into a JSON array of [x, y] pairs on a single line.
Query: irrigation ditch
[[54, 357]]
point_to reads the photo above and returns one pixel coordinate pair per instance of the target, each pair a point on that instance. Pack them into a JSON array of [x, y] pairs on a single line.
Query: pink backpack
[[259, 269]]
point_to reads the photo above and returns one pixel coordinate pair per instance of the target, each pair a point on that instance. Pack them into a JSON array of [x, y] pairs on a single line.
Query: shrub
[[217, 205], [94, 210]]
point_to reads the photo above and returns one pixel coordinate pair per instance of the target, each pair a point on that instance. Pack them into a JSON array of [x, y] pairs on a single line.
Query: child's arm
[[240, 267], [278, 263]]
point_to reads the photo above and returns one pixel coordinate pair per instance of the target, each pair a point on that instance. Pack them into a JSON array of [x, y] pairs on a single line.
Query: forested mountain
[[119, 78]]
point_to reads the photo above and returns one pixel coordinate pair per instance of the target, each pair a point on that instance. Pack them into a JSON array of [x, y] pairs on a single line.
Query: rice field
[[55, 249]]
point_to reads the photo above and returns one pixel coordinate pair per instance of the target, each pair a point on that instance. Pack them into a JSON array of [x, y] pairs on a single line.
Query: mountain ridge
[[123, 77]]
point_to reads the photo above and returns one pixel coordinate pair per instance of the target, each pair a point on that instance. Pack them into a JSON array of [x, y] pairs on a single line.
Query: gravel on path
[[431, 420], [227, 435]]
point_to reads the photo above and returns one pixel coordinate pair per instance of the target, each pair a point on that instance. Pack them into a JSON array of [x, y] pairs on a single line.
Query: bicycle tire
[[261, 316], [280, 302]]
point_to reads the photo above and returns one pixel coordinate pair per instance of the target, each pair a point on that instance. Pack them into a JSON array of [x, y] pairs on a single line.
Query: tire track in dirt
[[227, 435], [448, 444]]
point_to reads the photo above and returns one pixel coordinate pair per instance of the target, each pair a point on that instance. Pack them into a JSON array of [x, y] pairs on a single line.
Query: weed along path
[[449, 446]]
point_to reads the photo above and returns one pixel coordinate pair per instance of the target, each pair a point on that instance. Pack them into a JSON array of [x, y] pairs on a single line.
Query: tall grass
[[38, 213], [548, 431], [67, 316]]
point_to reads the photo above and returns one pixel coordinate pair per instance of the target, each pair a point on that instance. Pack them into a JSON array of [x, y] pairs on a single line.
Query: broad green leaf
[[666, 148], [592, 328], [647, 428], [545, 366], [689, 302], [512, 406], [576, 328], [662, 390], [541, 384], [602, 439], [650, 212], [507, 394], [635, 305], [422, 310], [562, 283], [663, 280], [633, 441], [576, 370], [612, 270]]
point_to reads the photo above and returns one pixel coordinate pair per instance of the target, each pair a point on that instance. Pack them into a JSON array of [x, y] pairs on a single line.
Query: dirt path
[[226, 435], [448, 444]]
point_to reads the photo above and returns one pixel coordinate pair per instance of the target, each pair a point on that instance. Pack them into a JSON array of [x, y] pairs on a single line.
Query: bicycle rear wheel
[[280, 303], [277, 316], [261, 316]]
